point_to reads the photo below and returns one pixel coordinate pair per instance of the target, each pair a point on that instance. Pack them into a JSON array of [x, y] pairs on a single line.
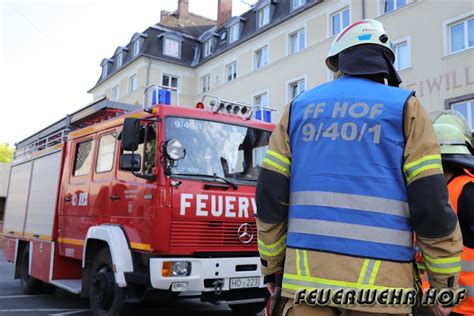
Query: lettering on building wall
[[443, 82]]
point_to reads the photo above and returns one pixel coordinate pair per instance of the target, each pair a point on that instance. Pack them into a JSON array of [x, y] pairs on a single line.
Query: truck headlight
[[176, 268]]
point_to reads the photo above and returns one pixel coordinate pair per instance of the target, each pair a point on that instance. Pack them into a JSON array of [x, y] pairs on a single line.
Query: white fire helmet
[[358, 33]]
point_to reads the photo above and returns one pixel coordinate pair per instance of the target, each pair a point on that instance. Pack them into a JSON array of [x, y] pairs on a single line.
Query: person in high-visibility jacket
[[458, 163], [352, 170]]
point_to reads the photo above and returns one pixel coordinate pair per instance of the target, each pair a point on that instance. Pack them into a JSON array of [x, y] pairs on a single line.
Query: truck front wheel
[[105, 296]]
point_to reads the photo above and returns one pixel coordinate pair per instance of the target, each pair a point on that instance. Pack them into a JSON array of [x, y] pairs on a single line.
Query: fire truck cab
[[112, 204]]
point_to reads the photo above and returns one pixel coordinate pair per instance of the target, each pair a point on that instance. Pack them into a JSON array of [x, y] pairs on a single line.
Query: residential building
[[278, 49]]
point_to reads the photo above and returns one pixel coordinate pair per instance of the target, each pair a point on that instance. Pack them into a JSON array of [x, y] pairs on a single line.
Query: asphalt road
[[14, 303]]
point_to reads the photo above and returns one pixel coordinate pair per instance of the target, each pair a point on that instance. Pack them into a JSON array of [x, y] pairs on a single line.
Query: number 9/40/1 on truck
[[113, 204]]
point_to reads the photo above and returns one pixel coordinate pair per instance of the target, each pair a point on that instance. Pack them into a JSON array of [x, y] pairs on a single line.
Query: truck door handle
[[115, 197], [68, 199]]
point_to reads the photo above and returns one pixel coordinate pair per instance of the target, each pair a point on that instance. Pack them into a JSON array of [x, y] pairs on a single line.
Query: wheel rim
[[103, 288]]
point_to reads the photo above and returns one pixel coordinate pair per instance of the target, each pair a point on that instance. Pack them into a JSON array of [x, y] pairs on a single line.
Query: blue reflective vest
[[347, 190]]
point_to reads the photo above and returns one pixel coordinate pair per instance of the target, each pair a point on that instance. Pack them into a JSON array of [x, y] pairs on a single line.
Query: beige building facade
[[434, 46]]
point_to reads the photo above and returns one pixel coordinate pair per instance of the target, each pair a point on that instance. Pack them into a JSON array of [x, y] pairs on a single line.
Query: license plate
[[244, 283]]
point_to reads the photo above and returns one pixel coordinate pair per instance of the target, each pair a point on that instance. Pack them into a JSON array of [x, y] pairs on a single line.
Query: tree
[[6, 152]]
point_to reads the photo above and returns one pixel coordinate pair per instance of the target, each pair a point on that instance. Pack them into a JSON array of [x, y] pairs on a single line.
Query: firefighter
[[352, 170], [458, 164]]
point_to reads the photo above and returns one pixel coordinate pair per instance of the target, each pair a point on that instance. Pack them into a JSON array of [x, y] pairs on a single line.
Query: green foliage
[[6, 152]]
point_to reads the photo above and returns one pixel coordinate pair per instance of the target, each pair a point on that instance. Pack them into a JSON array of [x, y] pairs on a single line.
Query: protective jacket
[[361, 209], [349, 176], [466, 279]]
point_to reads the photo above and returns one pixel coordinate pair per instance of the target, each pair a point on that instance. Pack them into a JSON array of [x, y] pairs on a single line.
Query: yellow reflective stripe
[[419, 161], [277, 166], [424, 168], [412, 169], [362, 271], [443, 270], [296, 282], [441, 260], [443, 265], [279, 156], [306, 265], [298, 269], [374, 272], [273, 249]]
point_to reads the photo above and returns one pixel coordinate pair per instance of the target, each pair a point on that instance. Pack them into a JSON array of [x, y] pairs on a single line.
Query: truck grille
[[198, 233]]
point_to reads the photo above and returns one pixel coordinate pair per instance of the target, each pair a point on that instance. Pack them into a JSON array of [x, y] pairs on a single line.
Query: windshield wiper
[[213, 176]]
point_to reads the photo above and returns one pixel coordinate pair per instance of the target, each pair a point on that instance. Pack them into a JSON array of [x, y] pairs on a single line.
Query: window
[[234, 31], [119, 60], [208, 47], [231, 71], [402, 55], [171, 47], [136, 48], [461, 35], [205, 83], [339, 21], [169, 81], [104, 70], [391, 5], [261, 57], [115, 93], [295, 88], [297, 41], [263, 16], [83, 158], [132, 83], [261, 100], [297, 3], [105, 154], [466, 109]]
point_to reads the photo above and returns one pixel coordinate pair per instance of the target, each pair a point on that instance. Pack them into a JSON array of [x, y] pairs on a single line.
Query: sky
[[51, 52]]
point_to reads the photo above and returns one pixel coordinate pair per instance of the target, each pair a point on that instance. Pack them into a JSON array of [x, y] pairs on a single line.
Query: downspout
[[147, 82], [363, 9]]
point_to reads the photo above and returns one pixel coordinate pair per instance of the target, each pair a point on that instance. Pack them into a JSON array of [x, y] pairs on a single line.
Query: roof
[[76, 119], [4, 177], [194, 29]]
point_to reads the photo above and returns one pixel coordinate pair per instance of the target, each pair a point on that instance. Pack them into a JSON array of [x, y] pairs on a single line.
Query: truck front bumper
[[204, 274]]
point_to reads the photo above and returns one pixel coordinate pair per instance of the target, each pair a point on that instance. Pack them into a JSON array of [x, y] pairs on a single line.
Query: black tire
[[248, 309], [30, 285], [105, 296]]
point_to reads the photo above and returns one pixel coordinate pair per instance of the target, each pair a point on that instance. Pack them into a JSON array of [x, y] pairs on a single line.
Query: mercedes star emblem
[[245, 233]]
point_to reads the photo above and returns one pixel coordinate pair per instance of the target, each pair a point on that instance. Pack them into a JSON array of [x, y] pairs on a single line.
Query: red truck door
[[74, 219]]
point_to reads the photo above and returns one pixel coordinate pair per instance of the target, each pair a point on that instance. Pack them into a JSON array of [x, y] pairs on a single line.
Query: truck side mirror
[[130, 134], [130, 162]]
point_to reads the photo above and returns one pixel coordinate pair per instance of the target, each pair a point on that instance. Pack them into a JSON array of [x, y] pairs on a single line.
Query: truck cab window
[[83, 158], [105, 153], [150, 149]]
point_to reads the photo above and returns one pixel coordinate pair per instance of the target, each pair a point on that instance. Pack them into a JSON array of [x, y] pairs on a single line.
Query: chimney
[[224, 11], [183, 9]]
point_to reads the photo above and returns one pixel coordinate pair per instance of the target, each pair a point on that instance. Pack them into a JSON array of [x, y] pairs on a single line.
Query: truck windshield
[[215, 148]]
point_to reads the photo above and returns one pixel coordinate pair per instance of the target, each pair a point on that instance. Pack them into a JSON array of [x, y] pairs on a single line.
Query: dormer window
[[297, 3], [119, 60], [234, 32], [137, 43], [263, 16], [136, 47], [171, 47], [208, 47], [105, 69]]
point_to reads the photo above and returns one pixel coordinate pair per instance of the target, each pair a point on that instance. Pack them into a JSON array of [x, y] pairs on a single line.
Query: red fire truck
[[112, 204]]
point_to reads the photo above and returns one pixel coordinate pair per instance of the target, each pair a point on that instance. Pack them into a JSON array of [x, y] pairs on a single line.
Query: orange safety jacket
[[466, 278]]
